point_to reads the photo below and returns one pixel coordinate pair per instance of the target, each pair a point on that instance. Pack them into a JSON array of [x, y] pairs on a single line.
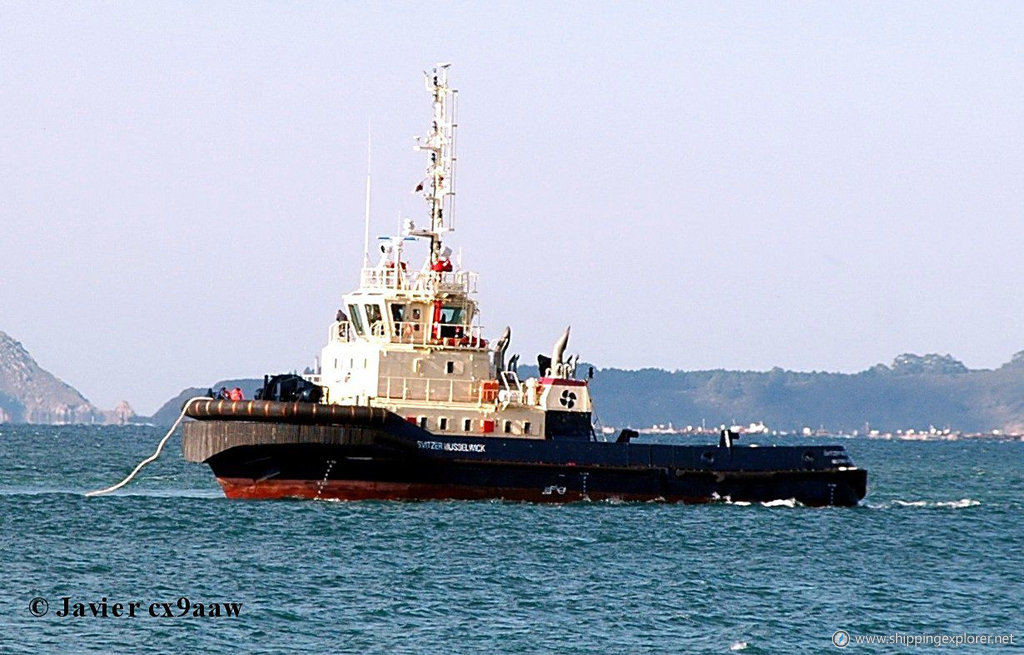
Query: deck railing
[[341, 331], [428, 282], [459, 335], [429, 389]]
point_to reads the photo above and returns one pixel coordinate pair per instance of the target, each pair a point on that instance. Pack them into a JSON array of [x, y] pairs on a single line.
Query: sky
[[689, 185]]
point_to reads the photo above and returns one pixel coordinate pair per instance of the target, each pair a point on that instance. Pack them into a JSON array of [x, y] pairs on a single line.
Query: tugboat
[[412, 402]]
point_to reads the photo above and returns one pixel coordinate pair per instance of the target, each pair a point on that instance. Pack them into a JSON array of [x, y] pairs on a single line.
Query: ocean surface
[[937, 548]]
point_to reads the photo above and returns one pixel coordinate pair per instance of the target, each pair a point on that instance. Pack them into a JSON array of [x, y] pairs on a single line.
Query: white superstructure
[[411, 341]]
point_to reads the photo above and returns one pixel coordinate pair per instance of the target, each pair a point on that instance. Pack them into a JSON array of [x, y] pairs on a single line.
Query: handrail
[[341, 331], [457, 335], [506, 376], [460, 335], [430, 282], [428, 389], [513, 393]]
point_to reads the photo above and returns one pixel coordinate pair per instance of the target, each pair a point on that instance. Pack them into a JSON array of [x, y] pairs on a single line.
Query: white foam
[[910, 503], [781, 502], [959, 504], [948, 504], [738, 645]]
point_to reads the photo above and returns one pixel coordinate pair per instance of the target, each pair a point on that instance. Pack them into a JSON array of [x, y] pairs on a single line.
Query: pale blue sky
[[689, 185]]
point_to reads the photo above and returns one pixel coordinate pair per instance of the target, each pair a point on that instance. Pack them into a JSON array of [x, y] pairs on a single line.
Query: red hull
[[366, 490]]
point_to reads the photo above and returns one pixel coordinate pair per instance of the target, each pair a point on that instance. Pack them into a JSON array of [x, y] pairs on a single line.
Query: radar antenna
[[438, 187]]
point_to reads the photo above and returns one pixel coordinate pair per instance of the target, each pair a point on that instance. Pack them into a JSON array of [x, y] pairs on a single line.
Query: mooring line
[[151, 458]]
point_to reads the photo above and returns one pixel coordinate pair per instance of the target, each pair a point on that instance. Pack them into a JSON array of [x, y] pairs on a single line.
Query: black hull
[[384, 457], [331, 473]]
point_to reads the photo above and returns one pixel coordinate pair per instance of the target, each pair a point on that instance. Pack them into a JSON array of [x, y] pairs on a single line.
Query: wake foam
[[947, 504], [782, 502]]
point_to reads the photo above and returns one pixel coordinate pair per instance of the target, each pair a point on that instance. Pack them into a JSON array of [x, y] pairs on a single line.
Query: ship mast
[[438, 187]]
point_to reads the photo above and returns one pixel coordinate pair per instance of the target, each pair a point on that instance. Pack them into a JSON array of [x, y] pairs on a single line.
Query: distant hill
[[29, 394], [915, 391]]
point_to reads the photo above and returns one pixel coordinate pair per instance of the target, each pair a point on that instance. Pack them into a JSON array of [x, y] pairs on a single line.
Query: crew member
[[443, 265]]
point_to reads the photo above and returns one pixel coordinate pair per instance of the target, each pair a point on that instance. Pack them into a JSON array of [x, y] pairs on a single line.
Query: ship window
[[398, 318], [423, 422], [467, 425], [442, 423], [373, 317], [451, 314], [357, 318], [450, 318], [449, 367], [526, 427], [508, 427]]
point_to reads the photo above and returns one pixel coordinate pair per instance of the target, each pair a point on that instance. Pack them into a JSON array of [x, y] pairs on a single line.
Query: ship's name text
[[454, 447]]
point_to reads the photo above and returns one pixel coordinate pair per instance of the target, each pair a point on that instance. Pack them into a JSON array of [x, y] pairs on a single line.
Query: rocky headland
[[30, 394]]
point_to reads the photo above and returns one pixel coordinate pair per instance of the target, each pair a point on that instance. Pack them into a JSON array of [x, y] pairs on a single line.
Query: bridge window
[[449, 367], [397, 317], [508, 427], [423, 422], [357, 318], [451, 314], [373, 317], [467, 425], [442, 423], [450, 320], [526, 427]]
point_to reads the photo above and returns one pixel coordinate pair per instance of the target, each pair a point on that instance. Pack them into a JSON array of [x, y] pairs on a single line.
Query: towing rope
[[151, 458]]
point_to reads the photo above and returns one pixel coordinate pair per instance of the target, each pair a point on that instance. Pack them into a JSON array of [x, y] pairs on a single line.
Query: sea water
[[936, 548]]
